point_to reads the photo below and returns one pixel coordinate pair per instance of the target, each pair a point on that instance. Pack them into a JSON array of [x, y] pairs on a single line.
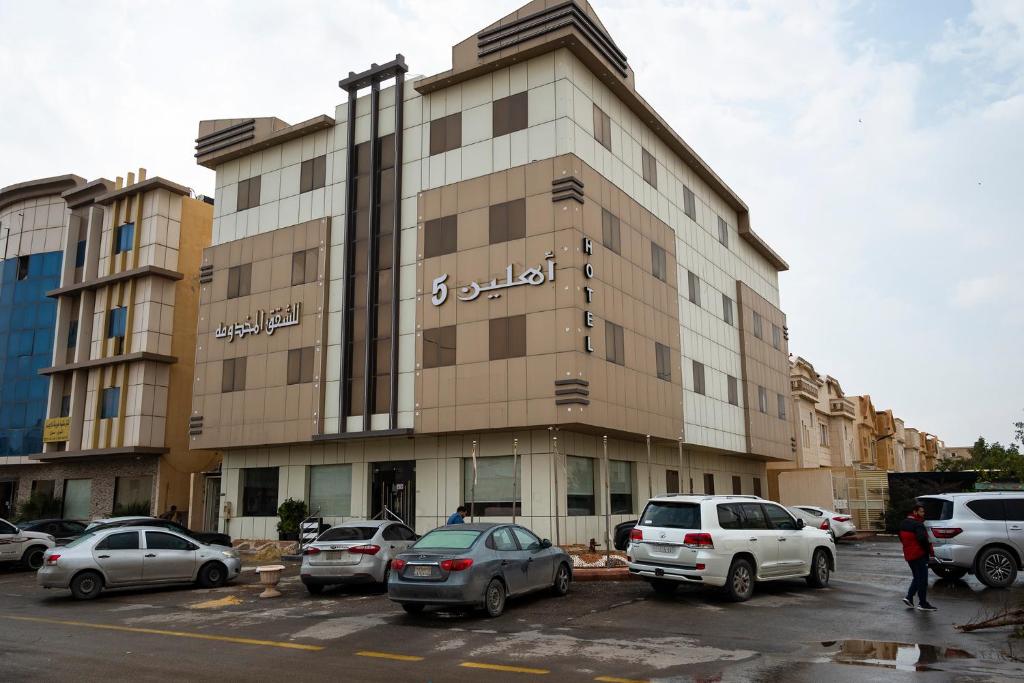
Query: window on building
[[737, 485], [727, 312], [248, 193], [762, 400], [776, 336], [698, 377], [117, 321], [77, 499], [611, 231], [494, 484], [259, 491], [823, 435], [132, 495], [80, 254], [510, 114], [124, 237], [239, 281], [614, 343], [659, 266], [440, 236], [300, 365], [620, 482], [330, 490], [65, 405], [757, 486], [693, 283], [507, 221], [72, 334], [507, 337], [233, 377], [579, 475], [110, 404], [758, 326], [22, 271], [650, 168], [663, 361], [439, 347], [313, 173], [723, 232], [734, 390], [672, 481], [689, 203], [782, 406], [709, 484], [44, 488], [305, 265], [446, 133], [602, 128]]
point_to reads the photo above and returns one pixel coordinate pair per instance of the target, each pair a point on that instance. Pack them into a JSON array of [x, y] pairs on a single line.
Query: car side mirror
[[546, 543], [799, 523]]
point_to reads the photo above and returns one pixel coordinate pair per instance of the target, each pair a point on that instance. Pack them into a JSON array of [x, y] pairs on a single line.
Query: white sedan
[[839, 524]]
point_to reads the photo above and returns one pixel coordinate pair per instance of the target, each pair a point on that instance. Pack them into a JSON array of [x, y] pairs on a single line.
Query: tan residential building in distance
[[514, 261], [120, 375], [912, 450], [954, 453]]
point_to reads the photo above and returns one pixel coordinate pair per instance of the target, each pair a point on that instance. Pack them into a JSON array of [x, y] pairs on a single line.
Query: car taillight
[[841, 519], [701, 540], [700, 566], [368, 549], [311, 551], [824, 525], [456, 565], [398, 565], [636, 535], [945, 532], [52, 559]]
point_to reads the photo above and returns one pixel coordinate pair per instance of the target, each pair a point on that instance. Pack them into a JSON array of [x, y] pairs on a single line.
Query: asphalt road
[[608, 632]]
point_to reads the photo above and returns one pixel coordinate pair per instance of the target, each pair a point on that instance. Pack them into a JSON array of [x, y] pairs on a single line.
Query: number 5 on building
[[440, 291]]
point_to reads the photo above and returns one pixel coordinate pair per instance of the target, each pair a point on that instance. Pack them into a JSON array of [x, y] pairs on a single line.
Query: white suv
[[726, 541], [26, 547]]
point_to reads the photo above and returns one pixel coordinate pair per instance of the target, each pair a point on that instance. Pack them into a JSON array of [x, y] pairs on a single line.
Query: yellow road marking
[[179, 634], [389, 655], [613, 679], [502, 667], [226, 601]]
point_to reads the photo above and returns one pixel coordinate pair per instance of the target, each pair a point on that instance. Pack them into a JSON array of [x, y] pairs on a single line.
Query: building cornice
[[251, 135], [123, 451], [110, 360], [142, 271], [41, 187], [87, 194], [156, 183]]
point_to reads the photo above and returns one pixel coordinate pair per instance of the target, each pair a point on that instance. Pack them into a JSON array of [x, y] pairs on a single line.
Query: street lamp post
[[607, 505]]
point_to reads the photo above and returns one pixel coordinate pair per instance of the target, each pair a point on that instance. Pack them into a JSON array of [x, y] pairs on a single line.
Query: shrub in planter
[[291, 513], [132, 510], [40, 506]]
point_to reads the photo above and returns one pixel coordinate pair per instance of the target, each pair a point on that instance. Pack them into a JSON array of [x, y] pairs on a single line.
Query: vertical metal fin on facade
[[350, 228], [396, 248], [370, 340]]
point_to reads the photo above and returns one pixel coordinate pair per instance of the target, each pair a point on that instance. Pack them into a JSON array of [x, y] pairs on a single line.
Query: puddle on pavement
[[893, 655]]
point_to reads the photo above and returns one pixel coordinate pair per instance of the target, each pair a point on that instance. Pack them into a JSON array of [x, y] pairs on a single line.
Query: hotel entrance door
[[393, 485]]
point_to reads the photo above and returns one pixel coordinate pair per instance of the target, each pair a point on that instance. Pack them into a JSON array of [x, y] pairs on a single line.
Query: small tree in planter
[[291, 513]]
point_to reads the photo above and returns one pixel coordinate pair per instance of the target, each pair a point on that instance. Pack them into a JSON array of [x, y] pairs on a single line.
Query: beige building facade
[[513, 261]]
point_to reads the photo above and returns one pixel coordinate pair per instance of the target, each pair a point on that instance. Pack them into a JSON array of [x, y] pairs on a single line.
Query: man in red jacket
[[916, 551]]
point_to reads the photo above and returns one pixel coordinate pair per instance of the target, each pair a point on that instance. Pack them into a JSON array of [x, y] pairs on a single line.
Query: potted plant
[[291, 513]]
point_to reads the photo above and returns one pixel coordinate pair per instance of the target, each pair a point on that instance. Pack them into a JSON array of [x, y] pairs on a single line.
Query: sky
[[877, 144]]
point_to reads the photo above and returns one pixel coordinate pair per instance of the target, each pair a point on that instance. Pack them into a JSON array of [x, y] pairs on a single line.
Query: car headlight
[[229, 553], [52, 539]]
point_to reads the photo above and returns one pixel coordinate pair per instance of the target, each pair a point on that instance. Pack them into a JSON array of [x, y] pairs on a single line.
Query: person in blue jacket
[[459, 516]]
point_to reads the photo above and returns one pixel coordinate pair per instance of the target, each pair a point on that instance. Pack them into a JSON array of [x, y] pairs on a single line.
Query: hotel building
[[515, 260], [98, 305]]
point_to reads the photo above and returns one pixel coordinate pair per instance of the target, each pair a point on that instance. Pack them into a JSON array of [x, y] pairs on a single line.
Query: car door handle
[[782, 539], [1016, 528], [753, 540], [150, 554], [103, 557]]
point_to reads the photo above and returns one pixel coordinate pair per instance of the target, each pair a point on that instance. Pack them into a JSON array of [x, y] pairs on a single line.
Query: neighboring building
[[122, 294], [954, 453], [930, 447], [518, 253], [912, 450]]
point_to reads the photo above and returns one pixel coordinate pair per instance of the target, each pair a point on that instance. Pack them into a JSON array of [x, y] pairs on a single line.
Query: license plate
[[421, 571], [662, 548]]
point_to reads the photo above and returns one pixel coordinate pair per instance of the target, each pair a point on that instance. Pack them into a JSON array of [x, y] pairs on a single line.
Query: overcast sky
[[878, 144]]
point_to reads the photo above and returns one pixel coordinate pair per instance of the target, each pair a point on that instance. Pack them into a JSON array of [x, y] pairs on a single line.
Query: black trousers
[[919, 585]]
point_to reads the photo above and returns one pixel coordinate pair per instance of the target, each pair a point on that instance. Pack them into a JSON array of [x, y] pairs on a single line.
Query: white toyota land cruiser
[[26, 547]]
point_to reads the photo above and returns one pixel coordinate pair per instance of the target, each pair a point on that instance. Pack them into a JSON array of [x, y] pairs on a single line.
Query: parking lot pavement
[[618, 631]]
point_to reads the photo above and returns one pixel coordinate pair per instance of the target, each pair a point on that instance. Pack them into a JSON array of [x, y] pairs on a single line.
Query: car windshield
[[671, 515], [349, 533], [448, 538], [81, 539]]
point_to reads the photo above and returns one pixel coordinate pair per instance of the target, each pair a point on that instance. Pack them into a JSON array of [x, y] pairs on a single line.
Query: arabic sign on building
[[264, 321], [56, 429], [531, 276]]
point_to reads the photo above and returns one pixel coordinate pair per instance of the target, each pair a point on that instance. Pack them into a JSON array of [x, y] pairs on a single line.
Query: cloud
[[979, 290]]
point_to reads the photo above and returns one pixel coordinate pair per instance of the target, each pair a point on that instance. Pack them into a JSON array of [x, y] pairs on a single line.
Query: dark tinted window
[[502, 539], [233, 375], [663, 362], [509, 114], [259, 491], [446, 133], [313, 173], [988, 508], [779, 518], [753, 516], [937, 509], [405, 533], [614, 343], [507, 337], [658, 262], [734, 391], [239, 281], [158, 540], [611, 232], [6, 528], [348, 533], [693, 285], [602, 128], [689, 203], [671, 515], [392, 533], [304, 266], [300, 365], [439, 346], [698, 378], [649, 167], [737, 485], [1014, 509], [128, 540], [440, 236], [730, 517], [709, 484], [507, 221]]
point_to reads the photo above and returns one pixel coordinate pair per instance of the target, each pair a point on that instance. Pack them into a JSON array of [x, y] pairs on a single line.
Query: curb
[[600, 574]]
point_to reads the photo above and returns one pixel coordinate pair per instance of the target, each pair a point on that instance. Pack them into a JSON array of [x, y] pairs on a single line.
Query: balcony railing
[[803, 387], [843, 407]]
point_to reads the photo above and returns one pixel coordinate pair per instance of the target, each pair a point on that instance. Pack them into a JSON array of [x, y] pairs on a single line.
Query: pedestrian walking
[[170, 514], [459, 516], [916, 551]]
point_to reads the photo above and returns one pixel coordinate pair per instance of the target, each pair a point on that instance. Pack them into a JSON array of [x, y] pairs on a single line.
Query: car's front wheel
[[494, 598], [951, 573], [33, 557], [563, 577], [819, 576], [213, 575], [739, 584], [87, 585], [997, 568]]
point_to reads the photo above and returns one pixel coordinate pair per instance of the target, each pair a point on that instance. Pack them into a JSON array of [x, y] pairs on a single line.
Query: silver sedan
[[139, 556], [358, 551], [477, 565]]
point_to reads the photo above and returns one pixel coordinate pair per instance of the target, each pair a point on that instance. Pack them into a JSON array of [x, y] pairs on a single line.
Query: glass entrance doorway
[[393, 485], [211, 503], [8, 495]]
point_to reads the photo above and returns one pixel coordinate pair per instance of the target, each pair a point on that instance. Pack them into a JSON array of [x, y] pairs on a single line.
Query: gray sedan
[[140, 556], [477, 565], [359, 551]]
